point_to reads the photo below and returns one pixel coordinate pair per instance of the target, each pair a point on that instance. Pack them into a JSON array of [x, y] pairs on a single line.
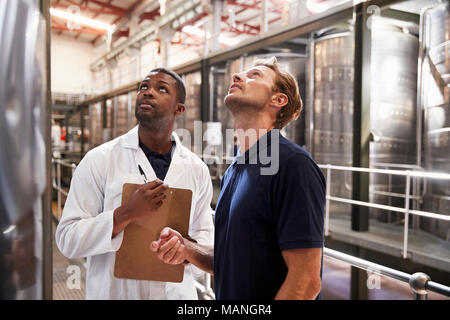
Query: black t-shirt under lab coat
[[160, 162]]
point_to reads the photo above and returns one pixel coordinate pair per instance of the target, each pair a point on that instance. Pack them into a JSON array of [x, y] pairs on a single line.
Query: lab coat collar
[[131, 140], [177, 165]]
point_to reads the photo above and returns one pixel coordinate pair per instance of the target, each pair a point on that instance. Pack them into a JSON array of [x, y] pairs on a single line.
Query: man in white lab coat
[[93, 218]]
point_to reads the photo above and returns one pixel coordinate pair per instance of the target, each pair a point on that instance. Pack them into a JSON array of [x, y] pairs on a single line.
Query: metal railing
[[56, 180], [408, 174], [420, 283]]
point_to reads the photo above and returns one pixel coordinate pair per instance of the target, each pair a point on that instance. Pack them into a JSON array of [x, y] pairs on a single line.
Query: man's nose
[[149, 92], [238, 77]]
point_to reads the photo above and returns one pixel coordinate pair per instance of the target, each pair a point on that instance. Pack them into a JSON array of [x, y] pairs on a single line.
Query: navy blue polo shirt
[[160, 162], [260, 215]]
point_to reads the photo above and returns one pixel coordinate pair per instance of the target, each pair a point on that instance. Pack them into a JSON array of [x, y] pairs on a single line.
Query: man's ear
[[279, 100], [179, 109]]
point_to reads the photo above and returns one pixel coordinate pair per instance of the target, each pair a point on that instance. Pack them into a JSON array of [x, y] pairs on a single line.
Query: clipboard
[[134, 259]]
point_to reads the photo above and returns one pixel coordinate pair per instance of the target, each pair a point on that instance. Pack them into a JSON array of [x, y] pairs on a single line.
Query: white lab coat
[[86, 225]]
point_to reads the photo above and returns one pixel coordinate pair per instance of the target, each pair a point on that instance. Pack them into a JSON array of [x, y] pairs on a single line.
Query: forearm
[[81, 236], [295, 288], [201, 256]]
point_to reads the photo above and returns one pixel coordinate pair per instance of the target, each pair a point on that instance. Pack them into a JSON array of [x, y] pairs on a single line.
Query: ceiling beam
[[82, 30], [130, 10], [93, 10], [254, 5], [118, 10], [151, 15]]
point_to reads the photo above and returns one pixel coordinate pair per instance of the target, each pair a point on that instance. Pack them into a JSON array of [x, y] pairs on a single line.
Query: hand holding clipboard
[[142, 202], [134, 259]]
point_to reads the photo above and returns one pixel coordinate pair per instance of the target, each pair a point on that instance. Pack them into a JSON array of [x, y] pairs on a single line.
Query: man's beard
[[238, 106], [151, 120]]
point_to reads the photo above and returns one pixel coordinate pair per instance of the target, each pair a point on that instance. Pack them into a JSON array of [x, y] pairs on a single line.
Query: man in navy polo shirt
[[269, 216]]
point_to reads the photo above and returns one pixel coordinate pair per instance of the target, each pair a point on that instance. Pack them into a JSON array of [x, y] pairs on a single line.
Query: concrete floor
[[64, 272]]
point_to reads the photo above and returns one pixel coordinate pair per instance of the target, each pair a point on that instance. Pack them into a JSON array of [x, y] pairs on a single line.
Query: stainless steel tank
[[23, 149], [329, 124], [392, 110], [435, 83], [95, 125], [122, 115], [392, 119], [192, 111]]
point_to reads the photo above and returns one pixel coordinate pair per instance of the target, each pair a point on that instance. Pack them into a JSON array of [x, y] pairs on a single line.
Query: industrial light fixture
[[81, 20]]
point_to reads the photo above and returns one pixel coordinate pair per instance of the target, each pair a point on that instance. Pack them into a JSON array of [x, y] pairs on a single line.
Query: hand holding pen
[[144, 201]]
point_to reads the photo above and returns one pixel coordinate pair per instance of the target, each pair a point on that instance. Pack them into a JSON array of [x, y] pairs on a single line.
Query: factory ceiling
[[238, 18]]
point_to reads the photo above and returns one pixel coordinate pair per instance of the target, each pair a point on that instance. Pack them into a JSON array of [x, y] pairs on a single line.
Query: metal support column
[[205, 91], [104, 115], [82, 125], [47, 219], [358, 287], [361, 141], [358, 278], [361, 117]]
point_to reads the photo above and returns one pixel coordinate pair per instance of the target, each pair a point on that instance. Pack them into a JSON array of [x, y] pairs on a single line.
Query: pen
[[142, 173]]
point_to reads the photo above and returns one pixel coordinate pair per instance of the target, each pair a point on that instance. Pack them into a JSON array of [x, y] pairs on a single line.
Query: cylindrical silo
[[122, 115], [392, 120], [95, 125], [435, 97], [330, 120], [23, 149], [392, 111]]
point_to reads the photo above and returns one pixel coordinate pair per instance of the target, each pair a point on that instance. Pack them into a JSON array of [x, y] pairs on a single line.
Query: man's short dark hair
[[181, 89]]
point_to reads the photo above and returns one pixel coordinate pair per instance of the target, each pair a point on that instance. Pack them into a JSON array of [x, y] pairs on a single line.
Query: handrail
[[418, 174], [408, 174], [57, 184], [420, 283]]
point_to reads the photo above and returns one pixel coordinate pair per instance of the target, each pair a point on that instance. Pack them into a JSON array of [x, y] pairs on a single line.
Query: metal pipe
[[396, 209], [327, 203], [264, 17], [405, 234], [366, 265], [394, 194], [58, 177], [64, 163], [431, 175], [437, 287], [419, 282], [311, 94]]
